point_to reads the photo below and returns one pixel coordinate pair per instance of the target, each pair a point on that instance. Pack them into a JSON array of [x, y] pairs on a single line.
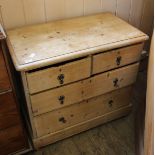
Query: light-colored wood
[[136, 12], [106, 61], [104, 83], [97, 85], [112, 138], [43, 52], [34, 11], [80, 112], [48, 78], [74, 8], [147, 19], [109, 6], [91, 6], [149, 120], [123, 9], [54, 9], [53, 137], [44, 44], [49, 100], [12, 13], [28, 105]]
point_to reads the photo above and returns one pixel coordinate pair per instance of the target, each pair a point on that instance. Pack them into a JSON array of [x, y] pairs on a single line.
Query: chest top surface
[[45, 44]]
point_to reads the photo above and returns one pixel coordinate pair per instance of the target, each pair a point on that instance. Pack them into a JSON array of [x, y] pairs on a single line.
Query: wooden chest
[[76, 73], [12, 133]]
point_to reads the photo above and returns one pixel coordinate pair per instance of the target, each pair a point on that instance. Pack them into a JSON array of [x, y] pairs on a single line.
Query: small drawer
[[110, 81], [58, 76], [63, 96], [80, 112], [8, 111], [116, 58], [12, 140], [4, 78]]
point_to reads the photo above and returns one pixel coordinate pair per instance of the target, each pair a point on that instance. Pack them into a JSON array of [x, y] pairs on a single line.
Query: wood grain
[[136, 12], [34, 11], [12, 13], [104, 83], [51, 138], [4, 78], [8, 111], [38, 11], [49, 78], [123, 9], [91, 6], [81, 112], [113, 138], [55, 9], [74, 8], [116, 58], [79, 91], [68, 39], [12, 139], [72, 94], [109, 6]]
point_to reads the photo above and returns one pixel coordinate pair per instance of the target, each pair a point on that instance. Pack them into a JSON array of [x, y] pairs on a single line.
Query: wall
[[16, 13]]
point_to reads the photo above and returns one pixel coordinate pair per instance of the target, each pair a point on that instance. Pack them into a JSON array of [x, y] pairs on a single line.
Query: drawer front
[[56, 98], [110, 81], [12, 140], [8, 111], [79, 91], [57, 76], [4, 79], [116, 58], [80, 112]]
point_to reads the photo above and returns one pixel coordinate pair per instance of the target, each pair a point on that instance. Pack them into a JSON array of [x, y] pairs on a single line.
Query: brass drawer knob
[[115, 82], [61, 78], [62, 120], [118, 60], [61, 99], [110, 103]]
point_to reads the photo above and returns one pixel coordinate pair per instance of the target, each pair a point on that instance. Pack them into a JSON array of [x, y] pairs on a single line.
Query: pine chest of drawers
[[77, 73]]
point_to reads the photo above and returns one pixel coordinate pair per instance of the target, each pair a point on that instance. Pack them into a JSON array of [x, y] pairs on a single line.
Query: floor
[[113, 138]]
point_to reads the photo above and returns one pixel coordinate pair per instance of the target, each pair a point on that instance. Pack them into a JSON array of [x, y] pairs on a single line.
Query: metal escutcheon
[[110, 103], [61, 78], [61, 99], [62, 119], [118, 60], [115, 82]]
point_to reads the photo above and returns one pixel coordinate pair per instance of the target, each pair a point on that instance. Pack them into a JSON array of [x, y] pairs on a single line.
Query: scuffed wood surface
[[44, 44]]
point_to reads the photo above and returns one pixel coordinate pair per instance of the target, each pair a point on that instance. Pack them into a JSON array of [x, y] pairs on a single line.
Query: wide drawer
[[12, 140], [56, 98], [4, 79], [80, 112], [8, 111], [76, 92], [57, 76], [116, 58]]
